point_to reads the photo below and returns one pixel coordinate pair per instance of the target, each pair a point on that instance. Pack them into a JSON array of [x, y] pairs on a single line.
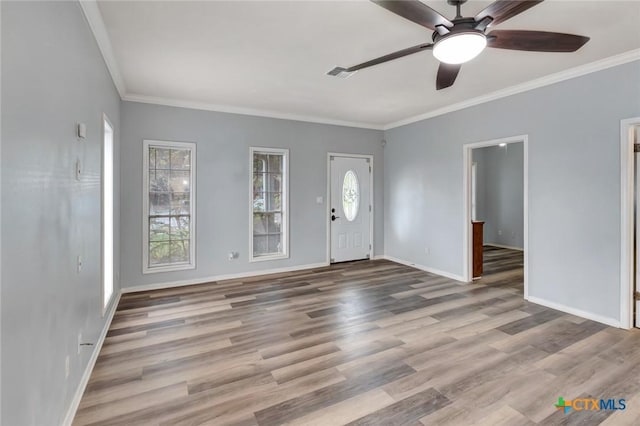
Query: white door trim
[[328, 199], [467, 238], [626, 224]]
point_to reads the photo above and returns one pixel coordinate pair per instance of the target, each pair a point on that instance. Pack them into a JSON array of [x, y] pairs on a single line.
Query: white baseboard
[[503, 246], [75, 402], [613, 322], [204, 280], [425, 268]]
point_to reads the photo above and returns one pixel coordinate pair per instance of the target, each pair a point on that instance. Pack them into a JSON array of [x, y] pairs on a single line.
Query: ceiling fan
[[461, 39]]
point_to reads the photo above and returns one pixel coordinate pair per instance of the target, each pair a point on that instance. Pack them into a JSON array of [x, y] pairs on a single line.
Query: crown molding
[[246, 111], [599, 65], [96, 23], [94, 18]]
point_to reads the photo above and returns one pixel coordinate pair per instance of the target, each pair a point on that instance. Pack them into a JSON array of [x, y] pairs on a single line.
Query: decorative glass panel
[[350, 195]]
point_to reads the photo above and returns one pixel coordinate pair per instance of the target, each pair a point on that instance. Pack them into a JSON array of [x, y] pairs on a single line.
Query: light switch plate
[[81, 131]]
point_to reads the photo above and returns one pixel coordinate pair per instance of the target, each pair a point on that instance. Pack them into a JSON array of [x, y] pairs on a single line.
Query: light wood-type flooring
[[361, 343]]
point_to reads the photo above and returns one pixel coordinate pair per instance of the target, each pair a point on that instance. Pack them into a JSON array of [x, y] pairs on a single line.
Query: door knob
[[334, 217]]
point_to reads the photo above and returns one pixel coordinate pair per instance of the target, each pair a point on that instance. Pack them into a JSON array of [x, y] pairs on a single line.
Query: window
[[269, 193], [107, 213], [169, 206]]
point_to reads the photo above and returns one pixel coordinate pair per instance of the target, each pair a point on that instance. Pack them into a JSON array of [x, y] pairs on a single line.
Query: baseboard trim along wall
[[503, 246], [425, 268], [205, 280], [75, 402], [613, 322]]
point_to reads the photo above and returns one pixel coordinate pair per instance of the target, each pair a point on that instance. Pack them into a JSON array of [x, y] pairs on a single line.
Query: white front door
[[350, 208]]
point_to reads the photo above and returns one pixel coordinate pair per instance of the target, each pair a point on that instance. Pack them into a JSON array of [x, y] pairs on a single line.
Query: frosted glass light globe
[[459, 48]]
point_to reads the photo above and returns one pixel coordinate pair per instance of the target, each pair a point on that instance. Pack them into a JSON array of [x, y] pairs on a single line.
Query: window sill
[[268, 257], [169, 268]]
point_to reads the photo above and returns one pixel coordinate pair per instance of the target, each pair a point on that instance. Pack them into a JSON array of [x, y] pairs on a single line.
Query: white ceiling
[[270, 57]]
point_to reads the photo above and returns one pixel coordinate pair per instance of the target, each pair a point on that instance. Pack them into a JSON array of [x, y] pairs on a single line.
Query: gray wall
[[222, 210], [574, 184], [53, 76], [500, 193]]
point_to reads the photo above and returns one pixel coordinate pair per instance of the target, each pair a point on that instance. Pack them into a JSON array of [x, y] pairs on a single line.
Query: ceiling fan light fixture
[[458, 48]]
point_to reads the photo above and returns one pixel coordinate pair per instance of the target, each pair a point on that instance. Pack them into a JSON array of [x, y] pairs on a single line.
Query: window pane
[[274, 223], [159, 253], [274, 202], [180, 203], [152, 158], [275, 163], [159, 229], [159, 203], [259, 163], [259, 223], [258, 182], [259, 245], [180, 251], [180, 159], [163, 158], [274, 245], [259, 202], [179, 228], [180, 181], [159, 181], [275, 182]]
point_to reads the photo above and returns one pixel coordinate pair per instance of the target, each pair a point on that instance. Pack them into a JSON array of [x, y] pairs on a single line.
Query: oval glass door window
[[350, 195]]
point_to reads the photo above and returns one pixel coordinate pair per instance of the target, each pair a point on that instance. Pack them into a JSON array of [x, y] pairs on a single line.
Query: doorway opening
[[496, 212], [630, 224], [107, 213], [349, 207]]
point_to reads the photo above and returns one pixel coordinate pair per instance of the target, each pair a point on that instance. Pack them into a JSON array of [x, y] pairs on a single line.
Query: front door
[[350, 208]]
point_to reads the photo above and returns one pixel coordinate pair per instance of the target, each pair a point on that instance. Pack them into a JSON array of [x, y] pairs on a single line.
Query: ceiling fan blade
[[502, 10], [386, 58], [415, 11], [535, 41], [447, 74]]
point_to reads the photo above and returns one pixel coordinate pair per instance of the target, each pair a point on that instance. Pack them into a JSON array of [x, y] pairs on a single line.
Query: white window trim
[[146, 269], [285, 204], [107, 301]]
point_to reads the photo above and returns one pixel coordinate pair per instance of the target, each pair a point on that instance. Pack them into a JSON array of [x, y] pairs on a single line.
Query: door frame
[[467, 243], [328, 200], [627, 195], [106, 303]]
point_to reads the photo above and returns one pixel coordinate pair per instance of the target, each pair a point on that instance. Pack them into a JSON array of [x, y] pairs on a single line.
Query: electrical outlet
[[79, 263], [499, 231], [67, 367], [427, 250]]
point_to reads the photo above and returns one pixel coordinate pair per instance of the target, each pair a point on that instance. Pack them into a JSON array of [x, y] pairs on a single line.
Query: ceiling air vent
[[341, 72]]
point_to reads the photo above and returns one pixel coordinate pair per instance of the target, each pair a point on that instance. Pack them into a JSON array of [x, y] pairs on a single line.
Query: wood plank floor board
[[361, 343]]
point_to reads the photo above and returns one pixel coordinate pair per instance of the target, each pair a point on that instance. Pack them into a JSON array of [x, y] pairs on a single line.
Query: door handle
[[334, 217]]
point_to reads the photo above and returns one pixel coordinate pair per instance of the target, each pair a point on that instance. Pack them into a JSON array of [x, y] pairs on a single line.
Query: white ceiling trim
[[94, 18], [612, 61], [245, 111]]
